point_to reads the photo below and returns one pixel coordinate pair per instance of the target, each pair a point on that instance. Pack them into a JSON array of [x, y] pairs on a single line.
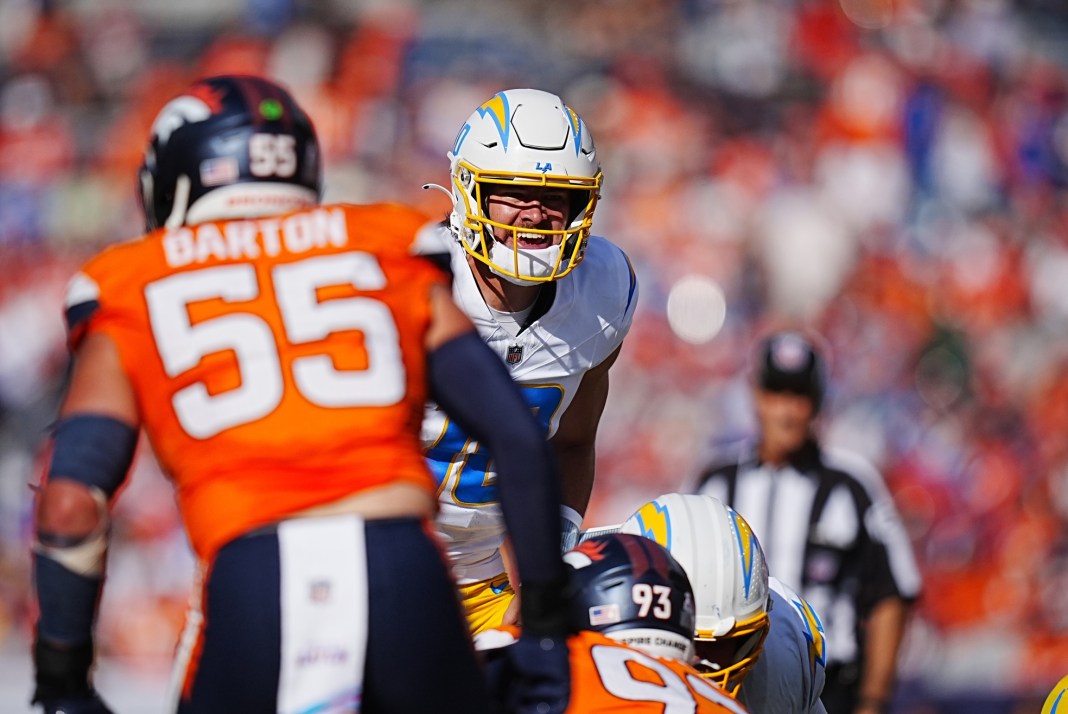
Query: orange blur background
[[889, 173]]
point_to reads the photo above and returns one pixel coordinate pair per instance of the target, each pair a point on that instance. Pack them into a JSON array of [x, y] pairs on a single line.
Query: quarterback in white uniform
[[525, 183]]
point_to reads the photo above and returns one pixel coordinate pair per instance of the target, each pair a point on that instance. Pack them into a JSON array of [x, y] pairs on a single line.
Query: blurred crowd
[[891, 173]]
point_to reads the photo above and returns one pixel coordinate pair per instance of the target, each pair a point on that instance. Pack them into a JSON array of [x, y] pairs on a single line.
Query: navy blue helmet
[[229, 147], [631, 589]]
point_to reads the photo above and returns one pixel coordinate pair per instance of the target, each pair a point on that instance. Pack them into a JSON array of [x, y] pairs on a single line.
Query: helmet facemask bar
[[474, 185], [740, 647]]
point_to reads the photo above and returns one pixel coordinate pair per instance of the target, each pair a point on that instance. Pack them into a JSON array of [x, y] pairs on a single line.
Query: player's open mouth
[[533, 240]]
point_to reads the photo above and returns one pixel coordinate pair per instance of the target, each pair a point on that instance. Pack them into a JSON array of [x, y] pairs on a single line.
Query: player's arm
[[474, 388], [893, 583], [885, 629], [576, 435], [93, 445]]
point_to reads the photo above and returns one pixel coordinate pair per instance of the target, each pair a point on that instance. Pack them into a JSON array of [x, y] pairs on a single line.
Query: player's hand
[[89, 704], [541, 682], [511, 615]]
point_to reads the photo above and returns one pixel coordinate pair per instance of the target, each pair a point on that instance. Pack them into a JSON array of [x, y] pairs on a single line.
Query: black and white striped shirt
[[828, 526]]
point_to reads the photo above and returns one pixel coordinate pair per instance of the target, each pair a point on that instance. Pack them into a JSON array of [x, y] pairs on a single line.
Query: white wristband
[[570, 520], [571, 515]]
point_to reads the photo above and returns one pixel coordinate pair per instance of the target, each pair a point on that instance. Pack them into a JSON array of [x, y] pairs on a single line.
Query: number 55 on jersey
[[241, 332]]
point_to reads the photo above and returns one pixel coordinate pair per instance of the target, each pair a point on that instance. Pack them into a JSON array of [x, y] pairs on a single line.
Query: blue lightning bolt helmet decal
[[576, 128], [497, 108], [655, 523], [747, 545], [817, 644]]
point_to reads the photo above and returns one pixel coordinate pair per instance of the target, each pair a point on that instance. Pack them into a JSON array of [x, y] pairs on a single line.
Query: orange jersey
[[278, 363], [609, 677]]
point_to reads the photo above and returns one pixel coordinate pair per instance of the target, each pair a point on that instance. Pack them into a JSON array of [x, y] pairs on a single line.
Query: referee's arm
[[886, 627], [899, 582]]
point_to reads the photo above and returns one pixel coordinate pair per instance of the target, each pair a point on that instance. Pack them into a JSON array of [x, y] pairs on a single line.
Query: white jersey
[[788, 676], [587, 321]]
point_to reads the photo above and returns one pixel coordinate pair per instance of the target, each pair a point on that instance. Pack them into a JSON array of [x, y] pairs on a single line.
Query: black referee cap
[[790, 362]]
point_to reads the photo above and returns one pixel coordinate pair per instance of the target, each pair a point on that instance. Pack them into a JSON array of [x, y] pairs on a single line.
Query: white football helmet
[[726, 566], [530, 137]]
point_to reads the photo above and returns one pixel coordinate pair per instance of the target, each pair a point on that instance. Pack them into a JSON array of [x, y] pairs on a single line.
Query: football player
[[551, 300], [279, 354], [754, 635], [633, 614]]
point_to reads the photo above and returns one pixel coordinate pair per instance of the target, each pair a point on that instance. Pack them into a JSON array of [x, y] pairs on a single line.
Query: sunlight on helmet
[[531, 138], [726, 566], [696, 309]]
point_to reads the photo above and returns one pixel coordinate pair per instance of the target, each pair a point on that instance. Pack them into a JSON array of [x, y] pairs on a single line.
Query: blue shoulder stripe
[[77, 315], [633, 282]]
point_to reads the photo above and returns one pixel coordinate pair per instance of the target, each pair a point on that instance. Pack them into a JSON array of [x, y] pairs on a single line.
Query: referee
[[827, 523]]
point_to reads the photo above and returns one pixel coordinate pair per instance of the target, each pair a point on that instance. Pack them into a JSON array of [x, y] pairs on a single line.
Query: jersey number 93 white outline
[[678, 695]]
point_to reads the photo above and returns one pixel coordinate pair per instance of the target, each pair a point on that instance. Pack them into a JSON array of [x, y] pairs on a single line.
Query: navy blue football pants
[[418, 652]]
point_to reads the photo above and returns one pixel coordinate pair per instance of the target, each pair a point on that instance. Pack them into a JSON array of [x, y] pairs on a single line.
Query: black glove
[[541, 670], [62, 679], [541, 675]]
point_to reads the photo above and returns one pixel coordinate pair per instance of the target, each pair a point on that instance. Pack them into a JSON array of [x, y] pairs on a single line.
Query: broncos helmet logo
[[646, 557], [585, 553], [817, 644], [196, 105], [748, 547], [655, 523]]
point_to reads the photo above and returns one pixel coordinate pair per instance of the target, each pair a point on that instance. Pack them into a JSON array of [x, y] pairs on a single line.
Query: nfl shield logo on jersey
[[515, 354], [320, 590]]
